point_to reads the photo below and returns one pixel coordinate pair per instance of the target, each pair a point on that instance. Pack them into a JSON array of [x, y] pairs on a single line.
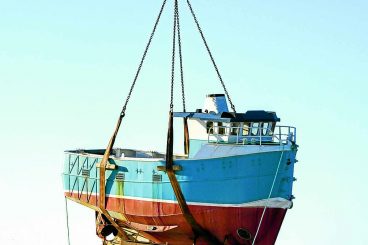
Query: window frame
[[267, 129], [246, 127], [255, 128], [220, 128], [234, 128], [210, 127]]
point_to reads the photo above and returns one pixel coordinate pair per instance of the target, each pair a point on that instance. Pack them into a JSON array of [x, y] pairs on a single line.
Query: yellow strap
[[102, 194], [186, 137], [197, 229]]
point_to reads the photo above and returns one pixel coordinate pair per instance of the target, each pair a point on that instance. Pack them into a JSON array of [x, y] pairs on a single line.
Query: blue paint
[[227, 180], [195, 146]]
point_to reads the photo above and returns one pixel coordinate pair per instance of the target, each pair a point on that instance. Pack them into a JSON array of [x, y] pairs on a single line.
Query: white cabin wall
[[197, 129]]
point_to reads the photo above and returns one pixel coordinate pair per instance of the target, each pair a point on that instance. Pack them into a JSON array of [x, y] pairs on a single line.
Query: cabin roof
[[249, 116]]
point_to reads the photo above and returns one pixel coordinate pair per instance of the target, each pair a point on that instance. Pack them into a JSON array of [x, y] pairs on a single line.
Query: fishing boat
[[233, 184]]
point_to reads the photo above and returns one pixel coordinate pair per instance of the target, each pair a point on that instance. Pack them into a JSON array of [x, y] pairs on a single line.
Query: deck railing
[[78, 176], [255, 135]]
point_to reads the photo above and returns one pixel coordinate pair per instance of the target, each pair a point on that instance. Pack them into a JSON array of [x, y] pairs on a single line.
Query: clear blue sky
[[65, 69]]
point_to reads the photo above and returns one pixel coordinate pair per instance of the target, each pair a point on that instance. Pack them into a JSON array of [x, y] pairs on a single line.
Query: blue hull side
[[228, 180]]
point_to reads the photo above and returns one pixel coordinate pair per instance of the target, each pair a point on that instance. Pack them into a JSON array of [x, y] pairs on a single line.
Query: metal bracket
[[108, 166], [174, 167]]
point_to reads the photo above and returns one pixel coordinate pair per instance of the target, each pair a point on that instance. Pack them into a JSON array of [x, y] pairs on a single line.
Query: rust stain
[[120, 188]]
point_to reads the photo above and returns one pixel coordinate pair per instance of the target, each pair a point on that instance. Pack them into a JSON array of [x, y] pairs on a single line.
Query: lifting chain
[[176, 30], [173, 57], [180, 59], [143, 58], [211, 56]]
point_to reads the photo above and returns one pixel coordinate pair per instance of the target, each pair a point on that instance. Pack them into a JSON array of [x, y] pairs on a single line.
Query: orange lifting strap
[[197, 229]]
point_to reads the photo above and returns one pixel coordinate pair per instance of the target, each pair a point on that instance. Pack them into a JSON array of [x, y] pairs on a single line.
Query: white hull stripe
[[276, 202]]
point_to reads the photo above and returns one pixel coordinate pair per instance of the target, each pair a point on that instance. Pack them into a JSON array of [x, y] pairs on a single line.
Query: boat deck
[[119, 153]]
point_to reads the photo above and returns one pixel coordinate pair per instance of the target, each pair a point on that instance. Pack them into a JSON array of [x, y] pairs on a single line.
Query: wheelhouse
[[228, 127]]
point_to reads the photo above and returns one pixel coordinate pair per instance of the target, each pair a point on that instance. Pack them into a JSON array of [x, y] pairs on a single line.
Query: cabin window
[[265, 128], [272, 128], [255, 127], [246, 129], [234, 128], [209, 126], [221, 128]]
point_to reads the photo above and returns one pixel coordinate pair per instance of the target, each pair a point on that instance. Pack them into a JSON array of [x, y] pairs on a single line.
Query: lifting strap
[[186, 136], [197, 229], [102, 189]]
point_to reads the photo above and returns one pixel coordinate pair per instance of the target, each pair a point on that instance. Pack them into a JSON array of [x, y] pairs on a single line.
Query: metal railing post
[[260, 135], [280, 140], [237, 135], [282, 134]]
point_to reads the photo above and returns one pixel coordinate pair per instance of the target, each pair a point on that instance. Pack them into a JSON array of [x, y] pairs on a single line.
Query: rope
[[143, 58], [211, 56], [268, 199], [67, 219]]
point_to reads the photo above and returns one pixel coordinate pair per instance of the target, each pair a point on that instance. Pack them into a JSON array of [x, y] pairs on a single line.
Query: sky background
[[66, 67]]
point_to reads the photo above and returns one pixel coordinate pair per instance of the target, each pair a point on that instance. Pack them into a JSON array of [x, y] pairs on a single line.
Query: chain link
[[211, 56], [122, 114], [181, 61], [176, 28], [173, 57]]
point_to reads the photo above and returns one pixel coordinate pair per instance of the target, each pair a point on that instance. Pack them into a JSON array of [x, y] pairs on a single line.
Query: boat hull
[[165, 222], [224, 194]]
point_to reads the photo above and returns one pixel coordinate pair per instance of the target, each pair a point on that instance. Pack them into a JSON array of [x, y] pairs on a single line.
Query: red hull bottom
[[165, 222], [223, 222]]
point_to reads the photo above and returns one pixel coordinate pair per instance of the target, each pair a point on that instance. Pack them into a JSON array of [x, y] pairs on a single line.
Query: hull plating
[[247, 177], [218, 191], [165, 222]]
